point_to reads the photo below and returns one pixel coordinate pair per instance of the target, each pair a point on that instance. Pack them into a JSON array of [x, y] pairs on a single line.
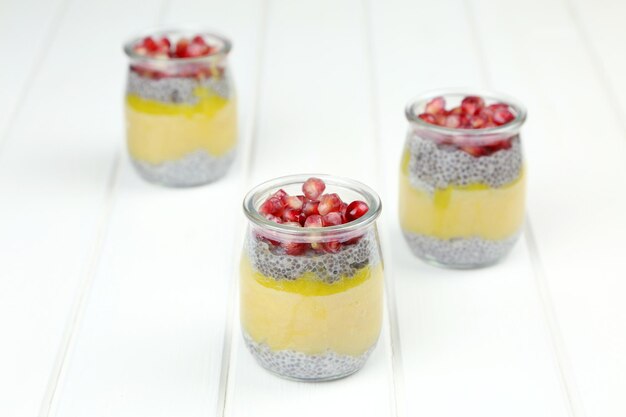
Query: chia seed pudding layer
[[176, 90], [195, 168], [297, 365], [274, 263], [459, 252], [433, 166]]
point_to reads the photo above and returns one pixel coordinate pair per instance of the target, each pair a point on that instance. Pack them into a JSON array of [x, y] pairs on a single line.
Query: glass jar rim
[[262, 190], [223, 50], [513, 126]]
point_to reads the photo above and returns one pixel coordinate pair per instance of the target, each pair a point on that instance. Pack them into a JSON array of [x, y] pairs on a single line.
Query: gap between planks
[[247, 152], [80, 303], [566, 378], [396, 391], [86, 283], [42, 54], [597, 65]]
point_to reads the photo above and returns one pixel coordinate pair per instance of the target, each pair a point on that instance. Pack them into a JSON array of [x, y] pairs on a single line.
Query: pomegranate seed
[[428, 118], [441, 119], [165, 42], [478, 121], [342, 210], [199, 40], [502, 116], [314, 220], [475, 151], [453, 121], [272, 206], [313, 188], [292, 215], [356, 209], [499, 145], [181, 47], [293, 224], [280, 194], [472, 105], [273, 218], [331, 219], [498, 106], [435, 106], [332, 247], [196, 50], [328, 203], [294, 248], [293, 202], [150, 44], [457, 110], [310, 208]]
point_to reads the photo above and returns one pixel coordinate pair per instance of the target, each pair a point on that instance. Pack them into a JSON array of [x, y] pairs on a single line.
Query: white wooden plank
[[472, 342], [54, 169], [152, 336], [27, 29], [577, 146], [314, 117]]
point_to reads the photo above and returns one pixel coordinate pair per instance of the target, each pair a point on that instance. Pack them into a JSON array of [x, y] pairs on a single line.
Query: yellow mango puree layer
[[159, 132], [311, 316], [462, 211]]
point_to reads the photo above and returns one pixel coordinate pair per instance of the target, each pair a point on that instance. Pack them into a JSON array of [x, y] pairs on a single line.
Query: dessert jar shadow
[[180, 106], [311, 298], [462, 177]]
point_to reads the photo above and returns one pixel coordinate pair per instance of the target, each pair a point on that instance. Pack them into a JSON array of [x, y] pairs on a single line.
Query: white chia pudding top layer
[[274, 263], [433, 166], [176, 90]]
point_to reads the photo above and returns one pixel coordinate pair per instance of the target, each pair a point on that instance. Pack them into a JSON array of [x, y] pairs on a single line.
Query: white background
[[118, 298]]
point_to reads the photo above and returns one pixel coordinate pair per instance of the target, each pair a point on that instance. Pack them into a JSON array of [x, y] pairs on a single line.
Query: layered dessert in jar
[[462, 178], [181, 112], [311, 283]]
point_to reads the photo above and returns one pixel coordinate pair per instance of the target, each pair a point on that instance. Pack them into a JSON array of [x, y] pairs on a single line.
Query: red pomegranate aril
[[478, 121], [441, 119], [472, 105], [273, 218], [332, 247], [196, 50], [331, 219], [475, 151], [328, 203], [292, 215], [199, 40], [293, 202], [310, 208], [272, 206], [457, 110], [502, 116], [150, 44], [342, 210], [314, 220], [497, 106], [356, 209], [280, 194], [313, 188], [181, 47], [501, 144], [435, 106], [293, 224], [453, 121], [428, 118], [294, 248]]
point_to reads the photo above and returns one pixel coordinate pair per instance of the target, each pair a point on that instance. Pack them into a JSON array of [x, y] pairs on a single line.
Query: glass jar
[[462, 190], [315, 315], [181, 112]]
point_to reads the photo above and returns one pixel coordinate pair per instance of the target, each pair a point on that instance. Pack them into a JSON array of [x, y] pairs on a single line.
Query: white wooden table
[[118, 298]]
